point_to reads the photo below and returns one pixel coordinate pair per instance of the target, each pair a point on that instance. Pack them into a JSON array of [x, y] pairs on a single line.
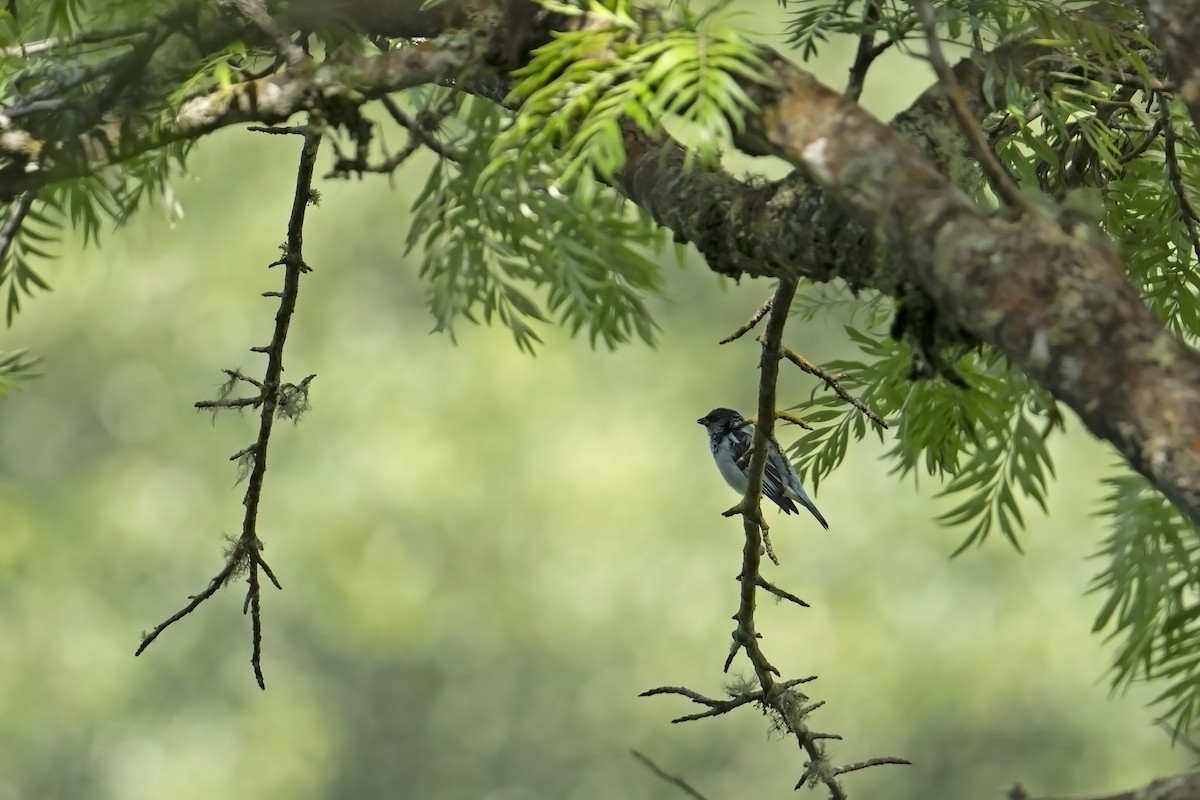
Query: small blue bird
[[729, 437]]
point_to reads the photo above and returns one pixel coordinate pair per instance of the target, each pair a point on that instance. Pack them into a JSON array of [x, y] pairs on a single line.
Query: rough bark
[[1054, 304]]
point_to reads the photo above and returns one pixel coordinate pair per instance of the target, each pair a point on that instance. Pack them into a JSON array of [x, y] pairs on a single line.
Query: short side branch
[[833, 383]]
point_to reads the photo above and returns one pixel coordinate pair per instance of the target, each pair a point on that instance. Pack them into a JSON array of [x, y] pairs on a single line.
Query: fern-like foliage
[[1152, 582], [31, 229], [522, 229], [506, 239], [813, 24], [88, 205], [61, 56], [580, 88], [986, 445]]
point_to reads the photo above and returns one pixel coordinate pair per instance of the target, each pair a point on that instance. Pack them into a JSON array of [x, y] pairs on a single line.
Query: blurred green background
[[486, 556]]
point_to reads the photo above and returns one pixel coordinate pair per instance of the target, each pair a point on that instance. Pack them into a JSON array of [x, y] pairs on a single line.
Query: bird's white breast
[[723, 454]]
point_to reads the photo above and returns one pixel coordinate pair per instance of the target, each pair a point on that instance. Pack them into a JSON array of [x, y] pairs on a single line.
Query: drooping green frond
[[53, 17], [31, 229], [1152, 581], [877, 381], [1007, 454], [80, 77], [89, 204], [811, 24], [987, 445], [505, 238]]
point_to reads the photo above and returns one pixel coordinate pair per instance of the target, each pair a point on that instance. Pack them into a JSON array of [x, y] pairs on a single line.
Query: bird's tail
[[804, 501], [801, 497]]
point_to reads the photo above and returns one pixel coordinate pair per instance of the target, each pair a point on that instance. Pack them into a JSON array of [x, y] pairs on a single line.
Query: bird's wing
[[739, 441], [773, 481]]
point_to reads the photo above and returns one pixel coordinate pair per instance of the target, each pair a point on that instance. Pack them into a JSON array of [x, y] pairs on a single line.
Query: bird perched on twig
[[730, 437]]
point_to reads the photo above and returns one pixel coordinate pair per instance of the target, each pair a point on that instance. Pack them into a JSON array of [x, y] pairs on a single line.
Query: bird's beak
[[700, 421]]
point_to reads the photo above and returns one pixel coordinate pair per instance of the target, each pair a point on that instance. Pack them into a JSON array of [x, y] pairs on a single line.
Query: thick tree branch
[[793, 226], [1056, 306], [305, 86]]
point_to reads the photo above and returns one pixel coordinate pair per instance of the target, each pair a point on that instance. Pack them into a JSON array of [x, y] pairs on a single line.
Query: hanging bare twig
[[274, 398]]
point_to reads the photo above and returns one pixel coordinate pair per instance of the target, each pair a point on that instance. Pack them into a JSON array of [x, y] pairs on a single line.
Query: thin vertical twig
[[246, 551]]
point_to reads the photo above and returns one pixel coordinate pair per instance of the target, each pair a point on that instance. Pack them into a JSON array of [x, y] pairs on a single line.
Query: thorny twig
[[763, 527], [1135, 149], [421, 127], [744, 636], [789, 707], [246, 552], [803, 363], [285, 392], [998, 177], [870, 762], [782, 594], [719, 707], [788, 416], [674, 780]]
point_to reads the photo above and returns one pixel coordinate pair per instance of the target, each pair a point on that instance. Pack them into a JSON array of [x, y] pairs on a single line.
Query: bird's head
[[722, 419]]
